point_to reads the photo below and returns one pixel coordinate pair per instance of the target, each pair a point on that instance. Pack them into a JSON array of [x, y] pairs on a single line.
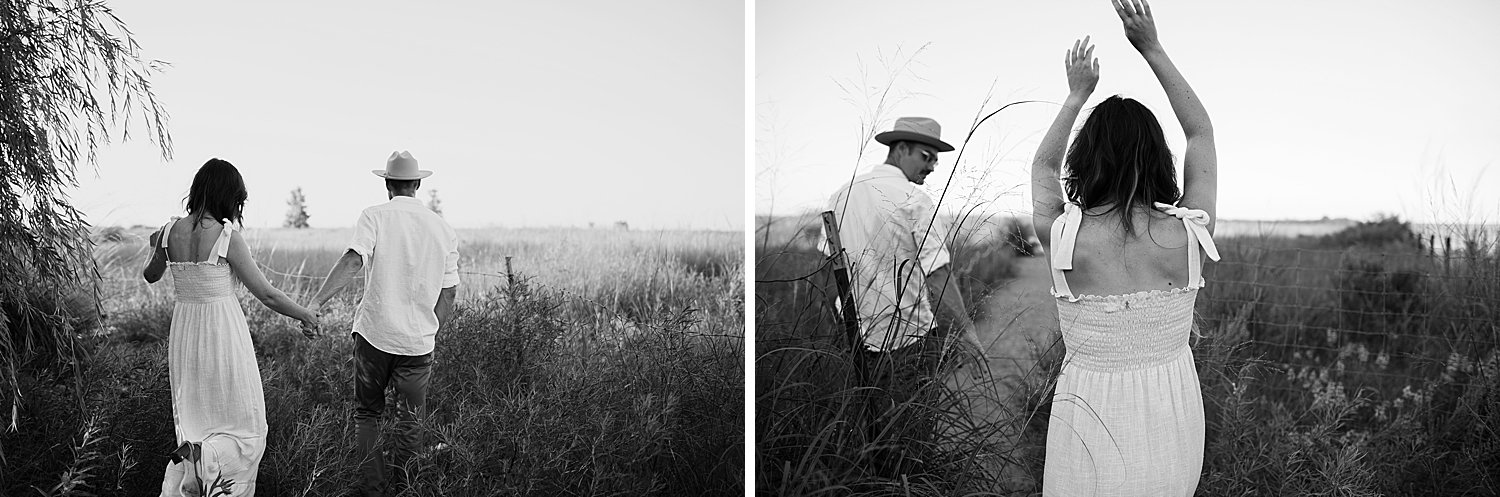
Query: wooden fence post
[[510, 278], [841, 278], [1447, 256], [851, 319]]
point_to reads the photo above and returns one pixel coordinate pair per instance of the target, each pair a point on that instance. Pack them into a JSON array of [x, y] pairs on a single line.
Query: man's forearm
[[444, 307], [943, 285], [339, 277]]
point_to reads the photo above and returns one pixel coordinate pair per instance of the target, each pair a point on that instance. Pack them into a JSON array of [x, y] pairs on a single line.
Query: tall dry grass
[[825, 427], [1345, 364], [612, 366]]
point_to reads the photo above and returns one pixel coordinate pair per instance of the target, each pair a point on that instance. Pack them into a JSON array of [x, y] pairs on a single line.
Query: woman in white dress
[[1126, 251], [218, 407]]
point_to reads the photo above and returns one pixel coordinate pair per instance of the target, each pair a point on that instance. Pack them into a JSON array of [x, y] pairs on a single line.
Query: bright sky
[[1330, 108], [529, 113]]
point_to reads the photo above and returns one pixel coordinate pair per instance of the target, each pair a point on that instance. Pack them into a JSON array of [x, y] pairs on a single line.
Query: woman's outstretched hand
[[1083, 68], [1140, 27]]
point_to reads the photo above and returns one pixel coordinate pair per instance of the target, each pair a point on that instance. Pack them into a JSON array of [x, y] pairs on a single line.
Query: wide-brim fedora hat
[[915, 129], [401, 166]]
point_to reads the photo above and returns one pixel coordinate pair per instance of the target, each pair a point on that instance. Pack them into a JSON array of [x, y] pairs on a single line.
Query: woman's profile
[[1126, 250], [218, 407]]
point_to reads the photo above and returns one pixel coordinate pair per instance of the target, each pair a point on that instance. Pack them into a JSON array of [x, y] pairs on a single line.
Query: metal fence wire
[[1386, 318]]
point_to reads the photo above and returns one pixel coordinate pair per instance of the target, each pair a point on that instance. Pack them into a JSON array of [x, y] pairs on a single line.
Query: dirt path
[[1022, 318]]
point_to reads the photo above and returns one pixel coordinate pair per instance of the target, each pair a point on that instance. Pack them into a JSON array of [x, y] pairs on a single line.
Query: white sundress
[[217, 399], [1127, 415]]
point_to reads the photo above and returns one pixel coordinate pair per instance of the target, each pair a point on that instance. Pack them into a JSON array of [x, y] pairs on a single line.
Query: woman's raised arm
[[1046, 183], [1200, 162]]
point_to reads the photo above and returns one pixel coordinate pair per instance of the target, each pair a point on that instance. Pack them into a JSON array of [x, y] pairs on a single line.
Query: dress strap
[[221, 246], [1196, 222], [166, 229], [1064, 235]]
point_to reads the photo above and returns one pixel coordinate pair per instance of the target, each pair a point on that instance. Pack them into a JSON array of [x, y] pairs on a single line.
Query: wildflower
[[1382, 360]]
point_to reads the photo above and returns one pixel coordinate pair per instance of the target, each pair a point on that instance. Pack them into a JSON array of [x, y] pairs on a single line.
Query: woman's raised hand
[[1140, 27], [1083, 68]]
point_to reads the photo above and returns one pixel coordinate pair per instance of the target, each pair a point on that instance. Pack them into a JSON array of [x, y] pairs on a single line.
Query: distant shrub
[[1383, 232], [1021, 237], [111, 234]]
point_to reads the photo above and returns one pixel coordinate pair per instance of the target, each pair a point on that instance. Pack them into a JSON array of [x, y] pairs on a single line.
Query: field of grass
[[1347, 363], [612, 366]]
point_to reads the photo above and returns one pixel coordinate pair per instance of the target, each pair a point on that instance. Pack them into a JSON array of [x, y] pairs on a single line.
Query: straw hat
[[916, 129], [401, 166]]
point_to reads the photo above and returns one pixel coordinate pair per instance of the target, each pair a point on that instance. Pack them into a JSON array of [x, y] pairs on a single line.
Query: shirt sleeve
[[450, 261], [930, 232], [364, 237]]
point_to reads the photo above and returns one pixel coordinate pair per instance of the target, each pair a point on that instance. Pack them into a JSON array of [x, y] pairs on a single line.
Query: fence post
[[841, 278], [510, 278], [1447, 256], [850, 317]]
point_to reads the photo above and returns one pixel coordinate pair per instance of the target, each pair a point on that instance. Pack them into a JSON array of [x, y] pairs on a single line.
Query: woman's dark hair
[[1120, 158], [218, 191]]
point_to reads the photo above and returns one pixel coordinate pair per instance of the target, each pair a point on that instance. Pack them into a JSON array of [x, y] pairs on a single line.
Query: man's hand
[[1083, 68], [972, 353], [1140, 27], [313, 328]]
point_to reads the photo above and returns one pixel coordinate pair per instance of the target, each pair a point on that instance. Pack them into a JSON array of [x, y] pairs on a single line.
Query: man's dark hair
[[402, 185], [896, 147]]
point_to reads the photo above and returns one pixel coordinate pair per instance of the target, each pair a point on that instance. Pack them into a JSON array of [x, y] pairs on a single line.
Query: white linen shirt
[[893, 241], [410, 254]]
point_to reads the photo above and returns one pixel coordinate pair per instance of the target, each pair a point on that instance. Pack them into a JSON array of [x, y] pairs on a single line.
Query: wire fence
[[1385, 313], [1385, 318]]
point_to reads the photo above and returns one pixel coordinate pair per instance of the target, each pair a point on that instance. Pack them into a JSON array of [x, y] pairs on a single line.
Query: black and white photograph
[[372, 248], [1125, 248]]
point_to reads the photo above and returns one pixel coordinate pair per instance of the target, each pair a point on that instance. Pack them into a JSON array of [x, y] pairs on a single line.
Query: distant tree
[[433, 202], [71, 75], [622, 226], [296, 210]]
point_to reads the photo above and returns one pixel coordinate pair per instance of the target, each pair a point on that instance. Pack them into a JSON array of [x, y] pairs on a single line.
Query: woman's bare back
[[1108, 261], [185, 244]]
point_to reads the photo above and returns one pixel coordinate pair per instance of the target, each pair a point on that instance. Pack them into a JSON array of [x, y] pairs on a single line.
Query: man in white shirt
[[894, 237], [410, 261]]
